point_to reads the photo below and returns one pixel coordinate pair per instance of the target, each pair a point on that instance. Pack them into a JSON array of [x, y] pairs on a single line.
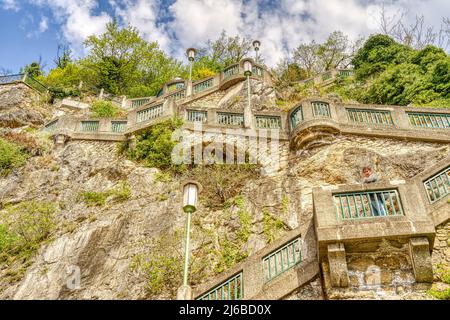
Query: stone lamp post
[[191, 190], [256, 45], [247, 63]]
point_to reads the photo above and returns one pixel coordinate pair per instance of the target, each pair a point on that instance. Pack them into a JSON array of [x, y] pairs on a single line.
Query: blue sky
[[30, 29]]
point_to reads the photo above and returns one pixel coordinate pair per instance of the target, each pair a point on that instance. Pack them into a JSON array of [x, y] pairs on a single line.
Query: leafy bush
[[222, 182], [161, 265], [154, 146], [11, 156], [139, 91], [61, 92], [23, 227], [104, 109]]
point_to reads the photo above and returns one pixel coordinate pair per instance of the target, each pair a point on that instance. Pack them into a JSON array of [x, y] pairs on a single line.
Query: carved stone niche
[[314, 134]]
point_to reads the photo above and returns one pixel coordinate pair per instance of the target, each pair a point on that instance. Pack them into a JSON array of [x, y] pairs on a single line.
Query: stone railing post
[[80, 85], [100, 96], [123, 103]]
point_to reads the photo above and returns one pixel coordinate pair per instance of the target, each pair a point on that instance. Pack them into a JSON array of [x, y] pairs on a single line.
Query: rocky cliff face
[[21, 106], [121, 248]]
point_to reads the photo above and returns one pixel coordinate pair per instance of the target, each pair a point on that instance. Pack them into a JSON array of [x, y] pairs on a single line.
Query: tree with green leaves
[[121, 59]]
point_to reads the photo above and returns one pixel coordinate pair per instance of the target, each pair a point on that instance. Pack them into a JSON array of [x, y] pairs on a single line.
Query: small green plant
[[161, 265], [121, 192], [92, 198], [443, 274], [163, 177], [11, 156], [271, 226], [105, 109], [23, 227], [229, 255], [284, 204]]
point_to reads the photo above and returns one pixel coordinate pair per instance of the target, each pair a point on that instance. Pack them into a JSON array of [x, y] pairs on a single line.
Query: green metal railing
[[89, 126], [358, 205], [35, 84], [175, 86], [326, 76], [139, 102], [11, 78], [178, 95], [197, 116], [202, 86], [438, 186], [370, 116], [345, 73], [429, 120], [230, 71], [25, 78], [268, 122], [118, 126], [232, 289], [149, 113], [321, 109], [257, 71], [232, 119], [297, 117], [282, 259], [51, 125]]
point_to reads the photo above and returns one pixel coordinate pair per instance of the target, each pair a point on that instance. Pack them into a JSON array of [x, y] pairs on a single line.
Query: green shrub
[[271, 226], [154, 146], [61, 92], [119, 193], [161, 265], [11, 156], [23, 227], [140, 91], [92, 198], [104, 109]]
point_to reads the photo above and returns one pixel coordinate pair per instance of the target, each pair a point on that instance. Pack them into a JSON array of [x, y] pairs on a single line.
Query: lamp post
[[190, 194], [248, 70], [256, 45], [191, 57]]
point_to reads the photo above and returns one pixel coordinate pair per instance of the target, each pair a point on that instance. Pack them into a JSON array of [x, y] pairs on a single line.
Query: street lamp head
[[191, 54], [248, 66], [190, 195], [256, 44]]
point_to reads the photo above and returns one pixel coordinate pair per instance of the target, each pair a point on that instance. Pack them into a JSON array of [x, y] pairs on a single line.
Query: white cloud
[[43, 24], [77, 19], [10, 5], [143, 15], [280, 26]]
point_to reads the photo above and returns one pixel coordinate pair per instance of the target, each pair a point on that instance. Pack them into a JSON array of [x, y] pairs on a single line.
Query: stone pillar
[[100, 96], [123, 104], [80, 85], [60, 140], [338, 265], [419, 249], [132, 142], [184, 293]]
